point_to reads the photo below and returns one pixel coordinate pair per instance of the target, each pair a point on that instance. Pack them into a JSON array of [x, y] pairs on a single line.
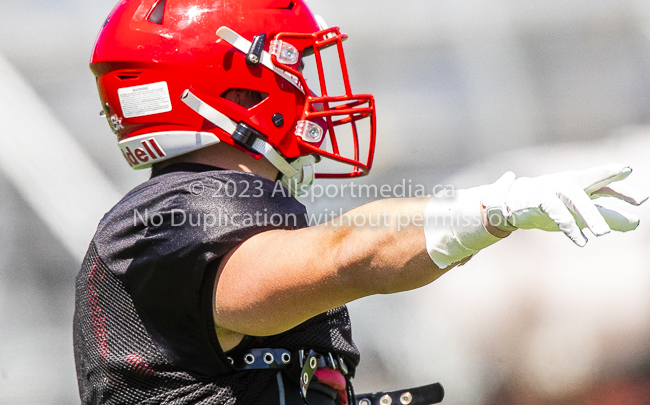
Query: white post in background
[[48, 167]]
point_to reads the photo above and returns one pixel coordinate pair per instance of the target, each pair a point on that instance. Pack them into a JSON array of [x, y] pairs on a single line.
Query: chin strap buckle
[[246, 136], [254, 56]]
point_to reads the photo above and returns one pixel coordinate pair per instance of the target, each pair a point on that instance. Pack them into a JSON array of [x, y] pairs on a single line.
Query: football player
[[204, 285]]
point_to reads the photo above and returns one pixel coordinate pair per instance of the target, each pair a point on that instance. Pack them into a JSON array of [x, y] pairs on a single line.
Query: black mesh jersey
[[143, 326]]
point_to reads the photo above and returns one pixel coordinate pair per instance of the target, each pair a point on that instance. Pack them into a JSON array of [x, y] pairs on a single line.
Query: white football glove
[[455, 229], [563, 202]]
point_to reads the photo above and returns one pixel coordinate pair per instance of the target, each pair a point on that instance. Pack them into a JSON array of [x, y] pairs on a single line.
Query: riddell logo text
[[150, 151]]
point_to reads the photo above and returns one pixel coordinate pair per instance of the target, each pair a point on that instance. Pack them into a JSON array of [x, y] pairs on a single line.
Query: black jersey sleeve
[[159, 239]]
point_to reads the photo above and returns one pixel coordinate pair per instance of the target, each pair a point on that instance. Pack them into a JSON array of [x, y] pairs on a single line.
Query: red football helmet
[[164, 70]]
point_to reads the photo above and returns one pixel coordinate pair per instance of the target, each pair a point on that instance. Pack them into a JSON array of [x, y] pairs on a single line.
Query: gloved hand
[[459, 227], [563, 202]]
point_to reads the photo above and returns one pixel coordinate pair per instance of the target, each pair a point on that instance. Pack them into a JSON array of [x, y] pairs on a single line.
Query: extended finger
[[620, 221], [622, 192], [579, 202], [560, 214], [595, 178]]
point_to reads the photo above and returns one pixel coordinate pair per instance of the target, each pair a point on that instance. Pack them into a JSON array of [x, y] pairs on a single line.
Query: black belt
[[427, 394], [264, 359]]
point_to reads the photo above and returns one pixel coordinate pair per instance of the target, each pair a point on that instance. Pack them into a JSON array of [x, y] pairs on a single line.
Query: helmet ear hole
[[244, 97]]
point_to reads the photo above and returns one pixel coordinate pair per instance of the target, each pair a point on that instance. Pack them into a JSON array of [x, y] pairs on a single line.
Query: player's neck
[[227, 157]]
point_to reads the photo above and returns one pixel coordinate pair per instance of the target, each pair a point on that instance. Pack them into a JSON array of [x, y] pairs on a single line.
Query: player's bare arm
[[265, 288]]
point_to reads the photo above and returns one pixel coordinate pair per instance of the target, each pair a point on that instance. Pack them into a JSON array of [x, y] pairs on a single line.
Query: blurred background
[[465, 91]]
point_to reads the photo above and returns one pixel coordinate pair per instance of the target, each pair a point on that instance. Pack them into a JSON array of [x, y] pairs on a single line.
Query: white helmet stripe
[[321, 22], [145, 150]]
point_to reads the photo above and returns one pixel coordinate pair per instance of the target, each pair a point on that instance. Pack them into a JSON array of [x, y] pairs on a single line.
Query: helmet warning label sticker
[[148, 99]]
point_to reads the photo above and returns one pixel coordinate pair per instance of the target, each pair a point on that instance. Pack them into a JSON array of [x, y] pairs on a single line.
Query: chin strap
[[297, 176]]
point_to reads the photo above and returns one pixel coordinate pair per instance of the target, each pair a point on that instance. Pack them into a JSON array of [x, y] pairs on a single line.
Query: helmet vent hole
[[157, 13], [282, 4], [244, 97], [128, 76]]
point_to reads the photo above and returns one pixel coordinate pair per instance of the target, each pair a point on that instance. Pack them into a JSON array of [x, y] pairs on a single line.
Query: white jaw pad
[[305, 173], [244, 45], [141, 152]]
